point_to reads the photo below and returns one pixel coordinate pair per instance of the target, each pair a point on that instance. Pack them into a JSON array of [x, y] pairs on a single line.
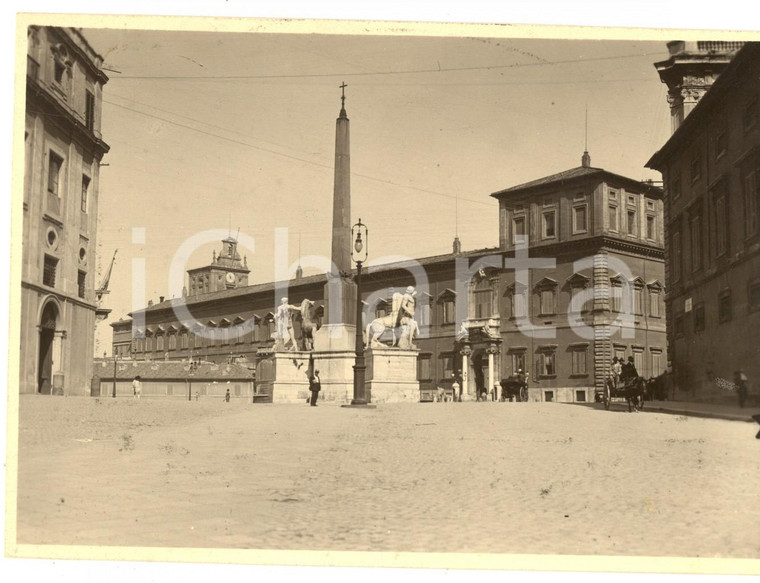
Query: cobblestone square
[[527, 478]]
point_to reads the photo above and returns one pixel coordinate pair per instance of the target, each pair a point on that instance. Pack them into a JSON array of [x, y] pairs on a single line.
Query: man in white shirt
[[137, 387]]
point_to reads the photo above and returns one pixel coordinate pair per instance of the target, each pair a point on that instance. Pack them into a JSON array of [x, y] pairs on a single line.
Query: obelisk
[[339, 325]]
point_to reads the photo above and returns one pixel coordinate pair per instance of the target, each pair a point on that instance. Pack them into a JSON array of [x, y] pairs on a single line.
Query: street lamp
[[359, 235], [190, 369], [115, 357]]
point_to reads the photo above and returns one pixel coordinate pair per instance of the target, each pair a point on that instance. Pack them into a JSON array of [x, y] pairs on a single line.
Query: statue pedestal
[[335, 337], [392, 375], [282, 377]]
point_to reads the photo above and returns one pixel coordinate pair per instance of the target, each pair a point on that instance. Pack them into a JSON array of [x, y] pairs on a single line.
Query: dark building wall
[[63, 150], [710, 168]]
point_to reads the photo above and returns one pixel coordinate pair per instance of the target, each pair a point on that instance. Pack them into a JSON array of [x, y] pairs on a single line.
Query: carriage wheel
[[606, 397], [523, 394]]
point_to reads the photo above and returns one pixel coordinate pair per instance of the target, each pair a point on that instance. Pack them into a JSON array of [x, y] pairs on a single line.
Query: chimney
[[150, 303], [457, 247], [299, 272], [160, 299], [586, 160]]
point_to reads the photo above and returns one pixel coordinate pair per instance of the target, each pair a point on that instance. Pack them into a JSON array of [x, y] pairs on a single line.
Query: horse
[[376, 328], [632, 391], [307, 324]]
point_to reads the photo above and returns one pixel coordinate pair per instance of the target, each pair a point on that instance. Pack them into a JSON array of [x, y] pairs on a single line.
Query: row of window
[[549, 223], [718, 223], [580, 219], [50, 273], [55, 180], [623, 299], [724, 309], [183, 340], [718, 146], [546, 365], [60, 74]]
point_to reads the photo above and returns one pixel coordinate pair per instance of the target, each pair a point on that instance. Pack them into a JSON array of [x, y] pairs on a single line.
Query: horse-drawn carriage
[[632, 390], [514, 388]]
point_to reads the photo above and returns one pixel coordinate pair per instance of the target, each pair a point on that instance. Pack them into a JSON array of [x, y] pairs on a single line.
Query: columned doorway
[[47, 327]]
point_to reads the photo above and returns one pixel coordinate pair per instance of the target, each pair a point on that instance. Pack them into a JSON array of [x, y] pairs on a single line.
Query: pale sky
[[227, 130]]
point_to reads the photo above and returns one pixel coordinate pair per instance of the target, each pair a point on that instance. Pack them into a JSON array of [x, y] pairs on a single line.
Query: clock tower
[[226, 271]]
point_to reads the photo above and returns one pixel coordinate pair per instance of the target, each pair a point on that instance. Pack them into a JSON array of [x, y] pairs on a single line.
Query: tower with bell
[[227, 270]]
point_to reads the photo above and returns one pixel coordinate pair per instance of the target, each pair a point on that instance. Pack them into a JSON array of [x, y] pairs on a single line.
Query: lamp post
[[115, 357], [189, 374], [359, 235]]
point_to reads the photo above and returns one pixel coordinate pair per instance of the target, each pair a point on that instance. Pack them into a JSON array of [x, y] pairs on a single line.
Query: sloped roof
[[576, 173], [558, 177], [170, 370]]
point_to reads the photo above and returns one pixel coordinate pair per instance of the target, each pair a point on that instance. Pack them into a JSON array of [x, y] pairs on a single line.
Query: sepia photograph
[[366, 293]]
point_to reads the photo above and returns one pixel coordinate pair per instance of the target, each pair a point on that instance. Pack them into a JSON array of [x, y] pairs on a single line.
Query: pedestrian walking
[[227, 396], [314, 387], [137, 387], [740, 380]]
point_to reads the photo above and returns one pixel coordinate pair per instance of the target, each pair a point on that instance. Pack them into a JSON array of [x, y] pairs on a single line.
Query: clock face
[[230, 277]]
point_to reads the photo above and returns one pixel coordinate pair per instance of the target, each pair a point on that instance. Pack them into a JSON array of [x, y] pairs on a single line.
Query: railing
[[709, 46]]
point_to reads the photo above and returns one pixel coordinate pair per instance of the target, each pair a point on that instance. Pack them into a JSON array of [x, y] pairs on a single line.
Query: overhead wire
[[296, 158], [374, 73]]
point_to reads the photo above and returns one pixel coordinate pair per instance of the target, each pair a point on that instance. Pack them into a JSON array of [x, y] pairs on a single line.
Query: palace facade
[[711, 172], [596, 291], [63, 148]]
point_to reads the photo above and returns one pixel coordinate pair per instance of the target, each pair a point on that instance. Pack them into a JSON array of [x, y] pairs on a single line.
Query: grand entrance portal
[[47, 339]]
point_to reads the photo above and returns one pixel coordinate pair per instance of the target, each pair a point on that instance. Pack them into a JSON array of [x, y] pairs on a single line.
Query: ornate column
[[492, 350], [58, 376], [466, 351]]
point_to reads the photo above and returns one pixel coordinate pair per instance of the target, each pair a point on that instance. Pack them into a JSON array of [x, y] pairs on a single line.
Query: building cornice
[[695, 120], [63, 116], [58, 294]]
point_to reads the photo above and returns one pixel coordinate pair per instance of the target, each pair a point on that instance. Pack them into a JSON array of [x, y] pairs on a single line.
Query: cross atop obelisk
[[341, 225], [343, 99]]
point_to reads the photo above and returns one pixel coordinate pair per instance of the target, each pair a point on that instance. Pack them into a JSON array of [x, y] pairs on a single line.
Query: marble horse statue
[[308, 324], [401, 316]]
